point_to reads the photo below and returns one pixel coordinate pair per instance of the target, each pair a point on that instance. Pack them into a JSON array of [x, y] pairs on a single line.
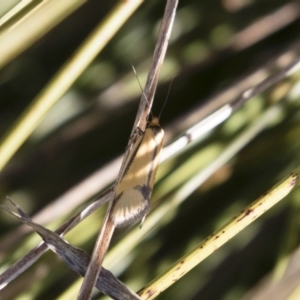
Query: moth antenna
[[168, 94], [136, 76]]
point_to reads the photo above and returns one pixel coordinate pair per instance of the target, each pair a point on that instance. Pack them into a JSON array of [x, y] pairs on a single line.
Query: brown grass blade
[[75, 258]]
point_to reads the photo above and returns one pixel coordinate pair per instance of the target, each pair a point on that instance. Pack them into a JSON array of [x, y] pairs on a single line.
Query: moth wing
[[134, 188], [130, 208]]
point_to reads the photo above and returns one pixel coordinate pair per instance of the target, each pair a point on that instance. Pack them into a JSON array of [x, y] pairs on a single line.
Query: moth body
[[134, 188]]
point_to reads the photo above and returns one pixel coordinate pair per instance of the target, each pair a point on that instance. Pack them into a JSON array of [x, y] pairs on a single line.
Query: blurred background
[[217, 50]]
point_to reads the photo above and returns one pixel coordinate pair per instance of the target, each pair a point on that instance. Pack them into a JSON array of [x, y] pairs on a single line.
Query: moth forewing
[[134, 188]]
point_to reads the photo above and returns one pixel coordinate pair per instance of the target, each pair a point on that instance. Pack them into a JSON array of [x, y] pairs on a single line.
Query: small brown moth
[[135, 185]]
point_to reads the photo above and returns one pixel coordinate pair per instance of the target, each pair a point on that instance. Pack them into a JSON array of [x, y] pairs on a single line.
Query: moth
[[134, 187]]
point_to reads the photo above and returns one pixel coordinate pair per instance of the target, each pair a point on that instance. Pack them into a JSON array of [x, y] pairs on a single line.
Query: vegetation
[[83, 120]]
